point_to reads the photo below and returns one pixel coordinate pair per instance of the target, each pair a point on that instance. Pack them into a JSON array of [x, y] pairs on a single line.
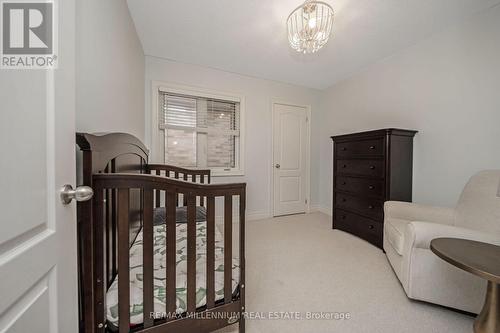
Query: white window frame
[[157, 135]]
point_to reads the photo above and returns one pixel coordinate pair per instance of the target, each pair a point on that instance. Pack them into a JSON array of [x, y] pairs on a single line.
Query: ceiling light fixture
[[310, 26]]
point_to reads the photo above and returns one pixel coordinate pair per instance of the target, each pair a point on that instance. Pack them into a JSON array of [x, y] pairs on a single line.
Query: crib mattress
[[159, 273]]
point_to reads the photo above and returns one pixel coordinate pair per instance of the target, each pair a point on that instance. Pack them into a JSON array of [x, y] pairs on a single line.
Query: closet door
[[290, 159]]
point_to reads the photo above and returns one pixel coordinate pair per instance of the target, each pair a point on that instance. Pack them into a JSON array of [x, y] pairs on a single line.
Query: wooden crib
[[120, 225]]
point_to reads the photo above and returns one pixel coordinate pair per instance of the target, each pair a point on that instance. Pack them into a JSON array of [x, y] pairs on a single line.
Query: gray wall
[[447, 87], [109, 69]]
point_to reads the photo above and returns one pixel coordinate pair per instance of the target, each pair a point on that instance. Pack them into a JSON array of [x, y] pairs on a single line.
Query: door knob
[[81, 193], [277, 166]]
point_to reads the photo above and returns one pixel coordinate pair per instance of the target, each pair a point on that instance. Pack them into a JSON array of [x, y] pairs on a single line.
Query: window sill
[[232, 173]]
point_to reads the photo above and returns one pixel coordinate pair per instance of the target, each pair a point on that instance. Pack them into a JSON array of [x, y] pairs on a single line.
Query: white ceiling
[[249, 36]]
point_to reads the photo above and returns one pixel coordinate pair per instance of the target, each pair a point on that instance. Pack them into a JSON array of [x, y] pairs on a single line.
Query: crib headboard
[[127, 152], [105, 153], [113, 153]]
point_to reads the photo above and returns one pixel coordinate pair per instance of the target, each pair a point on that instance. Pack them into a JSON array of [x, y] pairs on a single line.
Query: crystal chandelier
[[310, 26]]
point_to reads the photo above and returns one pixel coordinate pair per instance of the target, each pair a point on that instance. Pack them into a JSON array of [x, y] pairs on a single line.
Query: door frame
[[308, 152]]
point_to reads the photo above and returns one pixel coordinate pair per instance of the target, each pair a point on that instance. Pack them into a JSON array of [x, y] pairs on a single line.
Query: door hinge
[[306, 201], [307, 119]]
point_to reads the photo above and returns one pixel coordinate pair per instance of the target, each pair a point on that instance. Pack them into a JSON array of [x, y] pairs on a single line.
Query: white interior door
[[38, 264], [290, 159]]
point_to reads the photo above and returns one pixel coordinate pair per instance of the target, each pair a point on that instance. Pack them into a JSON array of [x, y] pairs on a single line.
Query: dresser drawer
[[372, 208], [372, 168], [362, 186], [370, 230], [372, 147]]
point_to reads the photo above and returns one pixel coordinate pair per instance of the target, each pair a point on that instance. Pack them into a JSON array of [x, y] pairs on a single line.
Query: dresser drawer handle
[[372, 167], [344, 183], [343, 217], [344, 166], [371, 187], [372, 147], [370, 207], [344, 148], [344, 199], [370, 226]]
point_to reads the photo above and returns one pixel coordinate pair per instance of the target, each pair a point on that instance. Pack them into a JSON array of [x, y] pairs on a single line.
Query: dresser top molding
[[376, 133]]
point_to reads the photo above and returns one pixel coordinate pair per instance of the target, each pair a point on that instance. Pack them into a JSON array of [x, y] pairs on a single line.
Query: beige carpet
[[298, 263]]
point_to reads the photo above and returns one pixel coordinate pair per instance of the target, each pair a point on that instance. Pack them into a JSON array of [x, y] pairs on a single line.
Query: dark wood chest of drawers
[[370, 168]]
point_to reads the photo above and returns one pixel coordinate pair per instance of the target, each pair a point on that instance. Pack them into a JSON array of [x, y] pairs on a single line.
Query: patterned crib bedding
[[136, 285]]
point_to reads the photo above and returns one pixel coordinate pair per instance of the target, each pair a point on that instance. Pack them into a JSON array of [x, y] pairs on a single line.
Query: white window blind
[[177, 111], [199, 131]]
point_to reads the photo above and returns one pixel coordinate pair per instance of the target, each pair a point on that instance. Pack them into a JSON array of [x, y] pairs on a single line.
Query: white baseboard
[[250, 216], [322, 209], [256, 215], [262, 215]]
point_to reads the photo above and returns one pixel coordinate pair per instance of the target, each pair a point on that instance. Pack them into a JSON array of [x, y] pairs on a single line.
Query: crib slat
[[210, 252], [171, 254], [114, 205], [106, 231], [191, 253], [157, 195], [108, 249], [123, 261], [98, 238], [114, 226], [228, 247], [202, 199], [193, 180], [176, 176], [184, 196], [147, 258], [242, 256]]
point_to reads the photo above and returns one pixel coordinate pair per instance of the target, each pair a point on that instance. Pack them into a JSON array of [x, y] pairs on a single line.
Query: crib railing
[[151, 187], [196, 176]]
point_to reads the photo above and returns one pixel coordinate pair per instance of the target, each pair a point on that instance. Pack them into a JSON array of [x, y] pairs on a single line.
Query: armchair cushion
[[422, 233]]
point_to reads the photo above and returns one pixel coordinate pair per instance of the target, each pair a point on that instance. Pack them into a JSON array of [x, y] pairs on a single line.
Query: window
[[200, 131]]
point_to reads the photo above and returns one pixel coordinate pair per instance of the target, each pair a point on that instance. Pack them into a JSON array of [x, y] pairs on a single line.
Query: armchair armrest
[[422, 233], [415, 212]]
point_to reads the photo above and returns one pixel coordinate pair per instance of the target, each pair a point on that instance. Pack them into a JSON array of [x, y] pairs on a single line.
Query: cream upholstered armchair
[[409, 229]]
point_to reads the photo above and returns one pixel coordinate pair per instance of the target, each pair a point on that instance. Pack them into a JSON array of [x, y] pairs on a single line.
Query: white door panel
[[16, 164], [290, 188], [31, 312], [290, 159], [38, 264], [289, 140]]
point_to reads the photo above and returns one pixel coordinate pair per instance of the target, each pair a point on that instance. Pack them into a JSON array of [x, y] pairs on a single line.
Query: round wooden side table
[[480, 259]]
